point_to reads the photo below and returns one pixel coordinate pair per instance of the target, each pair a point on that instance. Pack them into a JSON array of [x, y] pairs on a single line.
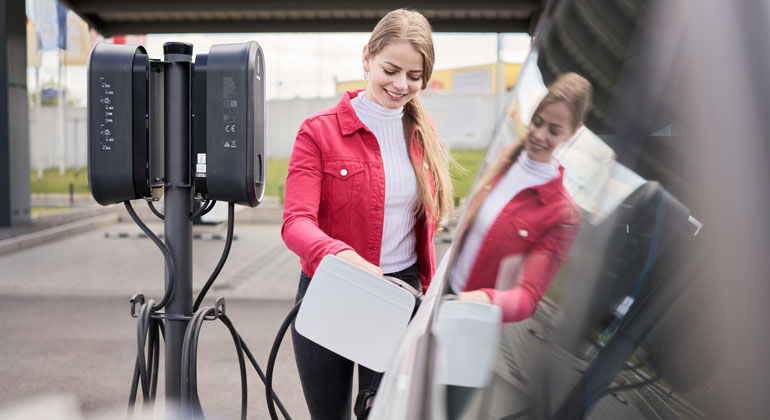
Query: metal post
[[178, 207]]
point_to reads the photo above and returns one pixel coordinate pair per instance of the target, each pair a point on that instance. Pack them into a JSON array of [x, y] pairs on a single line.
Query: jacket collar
[[346, 115], [544, 191]]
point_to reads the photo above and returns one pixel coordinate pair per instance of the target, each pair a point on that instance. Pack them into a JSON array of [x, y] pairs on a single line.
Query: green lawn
[[463, 171], [276, 177], [53, 182]]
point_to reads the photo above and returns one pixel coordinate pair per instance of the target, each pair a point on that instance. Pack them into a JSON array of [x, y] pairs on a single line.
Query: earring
[[366, 75]]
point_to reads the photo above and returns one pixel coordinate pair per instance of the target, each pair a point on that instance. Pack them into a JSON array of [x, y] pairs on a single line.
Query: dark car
[[660, 310]]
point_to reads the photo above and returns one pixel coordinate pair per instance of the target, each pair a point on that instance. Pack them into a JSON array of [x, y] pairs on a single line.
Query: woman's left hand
[[474, 296]]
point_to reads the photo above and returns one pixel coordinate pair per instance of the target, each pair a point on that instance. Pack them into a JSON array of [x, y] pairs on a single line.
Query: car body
[[656, 313]]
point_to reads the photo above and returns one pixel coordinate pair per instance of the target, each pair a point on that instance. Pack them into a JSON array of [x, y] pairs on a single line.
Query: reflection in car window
[[629, 227]]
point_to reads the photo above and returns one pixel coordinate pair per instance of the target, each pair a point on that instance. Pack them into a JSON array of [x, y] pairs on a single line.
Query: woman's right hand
[[352, 257]]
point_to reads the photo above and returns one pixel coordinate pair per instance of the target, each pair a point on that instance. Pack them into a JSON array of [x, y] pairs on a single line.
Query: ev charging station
[[185, 129]]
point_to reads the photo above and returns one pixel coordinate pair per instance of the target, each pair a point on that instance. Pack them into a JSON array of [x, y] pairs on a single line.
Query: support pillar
[[15, 200]]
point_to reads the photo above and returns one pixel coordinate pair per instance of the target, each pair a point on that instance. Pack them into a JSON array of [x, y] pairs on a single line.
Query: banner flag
[[78, 41], [51, 25]]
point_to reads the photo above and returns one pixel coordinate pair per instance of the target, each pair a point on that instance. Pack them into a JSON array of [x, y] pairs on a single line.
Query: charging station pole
[[178, 207], [140, 138]]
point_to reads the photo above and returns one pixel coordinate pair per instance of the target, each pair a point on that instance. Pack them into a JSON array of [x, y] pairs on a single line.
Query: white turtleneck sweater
[[524, 173], [398, 236]]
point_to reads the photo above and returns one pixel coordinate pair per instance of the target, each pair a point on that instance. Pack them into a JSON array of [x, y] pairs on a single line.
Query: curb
[[22, 242]]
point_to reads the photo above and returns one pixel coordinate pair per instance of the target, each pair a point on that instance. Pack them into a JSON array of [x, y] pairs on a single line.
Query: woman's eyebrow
[[399, 68], [549, 123]]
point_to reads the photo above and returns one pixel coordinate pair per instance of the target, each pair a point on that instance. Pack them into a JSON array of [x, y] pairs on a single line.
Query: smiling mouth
[[395, 95], [537, 146]]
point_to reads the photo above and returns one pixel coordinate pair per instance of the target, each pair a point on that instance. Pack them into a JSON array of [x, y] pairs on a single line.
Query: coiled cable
[[150, 329]]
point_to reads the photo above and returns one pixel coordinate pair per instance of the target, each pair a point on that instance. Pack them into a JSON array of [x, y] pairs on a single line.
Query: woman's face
[[549, 127], [395, 74]]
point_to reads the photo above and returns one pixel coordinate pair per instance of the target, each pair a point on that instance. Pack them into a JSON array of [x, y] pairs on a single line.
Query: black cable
[[261, 374], [222, 259], [145, 374], [155, 211], [189, 344], [241, 363], [156, 326], [201, 210], [210, 207], [190, 399], [207, 206], [273, 355], [166, 255], [148, 329]]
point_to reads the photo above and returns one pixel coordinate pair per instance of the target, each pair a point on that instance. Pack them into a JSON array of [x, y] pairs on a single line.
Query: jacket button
[[523, 233], [425, 165], [343, 172]]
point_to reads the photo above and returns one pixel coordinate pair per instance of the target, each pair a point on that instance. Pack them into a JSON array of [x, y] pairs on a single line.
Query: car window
[[567, 286]]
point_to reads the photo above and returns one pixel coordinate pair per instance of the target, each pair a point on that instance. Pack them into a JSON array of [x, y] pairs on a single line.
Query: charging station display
[[233, 163]]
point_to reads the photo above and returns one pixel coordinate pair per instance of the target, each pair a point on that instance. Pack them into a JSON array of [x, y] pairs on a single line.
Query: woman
[[523, 212], [367, 182]]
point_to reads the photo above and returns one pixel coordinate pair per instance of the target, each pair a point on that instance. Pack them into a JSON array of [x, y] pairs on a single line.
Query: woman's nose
[[399, 83], [536, 133]]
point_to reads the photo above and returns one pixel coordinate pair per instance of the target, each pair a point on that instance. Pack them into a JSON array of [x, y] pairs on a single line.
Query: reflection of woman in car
[[522, 211], [367, 182]]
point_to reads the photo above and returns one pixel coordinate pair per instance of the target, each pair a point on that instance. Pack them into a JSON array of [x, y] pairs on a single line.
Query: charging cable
[[150, 328]]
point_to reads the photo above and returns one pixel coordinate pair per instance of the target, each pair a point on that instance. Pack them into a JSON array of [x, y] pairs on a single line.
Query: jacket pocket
[[342, 189], [524, 231]]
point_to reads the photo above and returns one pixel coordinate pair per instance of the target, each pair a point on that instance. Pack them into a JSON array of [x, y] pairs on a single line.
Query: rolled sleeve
[[540, 267]]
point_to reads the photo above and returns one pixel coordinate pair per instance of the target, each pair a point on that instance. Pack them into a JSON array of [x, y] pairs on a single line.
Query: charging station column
[[178, 207]]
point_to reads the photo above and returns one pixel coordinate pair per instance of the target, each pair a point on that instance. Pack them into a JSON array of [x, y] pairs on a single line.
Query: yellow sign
[[33, 57]]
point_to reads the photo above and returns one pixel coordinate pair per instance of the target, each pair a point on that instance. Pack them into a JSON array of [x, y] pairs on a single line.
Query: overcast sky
[[308, 64]]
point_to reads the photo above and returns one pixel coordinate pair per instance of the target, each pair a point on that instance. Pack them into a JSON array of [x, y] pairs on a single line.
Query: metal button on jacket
[[343, 172], [523, 233]]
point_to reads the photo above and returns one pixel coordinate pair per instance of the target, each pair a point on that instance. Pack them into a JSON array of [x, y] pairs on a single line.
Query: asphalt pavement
[[67, 334]]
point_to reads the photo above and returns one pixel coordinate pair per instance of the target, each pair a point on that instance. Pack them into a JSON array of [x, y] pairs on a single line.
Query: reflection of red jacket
[[335, 192], [539, 224]]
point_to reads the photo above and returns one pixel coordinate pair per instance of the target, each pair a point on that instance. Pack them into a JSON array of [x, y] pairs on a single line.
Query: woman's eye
[[416, 78], [537, 122], [555, 133], [390, 73]]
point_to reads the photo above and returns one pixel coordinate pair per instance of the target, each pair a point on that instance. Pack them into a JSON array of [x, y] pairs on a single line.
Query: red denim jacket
[[335, 192], [539, 223]]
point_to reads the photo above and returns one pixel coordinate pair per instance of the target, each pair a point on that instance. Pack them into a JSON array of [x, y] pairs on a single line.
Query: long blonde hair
[[412, 27]]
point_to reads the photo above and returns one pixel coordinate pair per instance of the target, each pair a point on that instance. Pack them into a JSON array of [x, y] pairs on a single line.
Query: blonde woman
[[367, 182], [523, 210]]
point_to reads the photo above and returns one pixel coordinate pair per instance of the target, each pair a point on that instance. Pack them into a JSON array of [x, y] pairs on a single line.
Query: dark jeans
[[327, 378]]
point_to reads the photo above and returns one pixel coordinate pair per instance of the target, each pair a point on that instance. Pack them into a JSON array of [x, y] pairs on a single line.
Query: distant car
[[658, 294]]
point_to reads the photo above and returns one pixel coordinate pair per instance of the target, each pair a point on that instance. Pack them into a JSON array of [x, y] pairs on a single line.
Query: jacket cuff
[[490, 293]]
